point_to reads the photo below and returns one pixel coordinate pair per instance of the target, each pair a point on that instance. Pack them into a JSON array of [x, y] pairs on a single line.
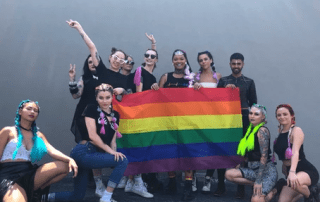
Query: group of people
[[95, 127]]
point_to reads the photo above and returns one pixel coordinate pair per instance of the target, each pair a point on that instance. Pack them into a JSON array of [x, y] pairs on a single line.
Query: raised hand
[[72, 72], [151, 38], [74, 24]]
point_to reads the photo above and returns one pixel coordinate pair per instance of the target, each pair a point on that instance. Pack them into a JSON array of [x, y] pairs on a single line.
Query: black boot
[[154, 184], [171, 188], [279, 185], [240, 192], [221, 186], [187, 191]]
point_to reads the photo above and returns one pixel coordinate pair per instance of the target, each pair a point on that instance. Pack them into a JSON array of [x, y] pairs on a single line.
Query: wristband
[[74, 90]]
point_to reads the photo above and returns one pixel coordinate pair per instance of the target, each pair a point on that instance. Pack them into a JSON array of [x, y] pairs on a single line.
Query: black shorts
[[305, 166], [22, 173]]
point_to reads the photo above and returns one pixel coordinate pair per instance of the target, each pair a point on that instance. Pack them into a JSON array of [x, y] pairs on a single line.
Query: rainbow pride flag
[[180, 129]]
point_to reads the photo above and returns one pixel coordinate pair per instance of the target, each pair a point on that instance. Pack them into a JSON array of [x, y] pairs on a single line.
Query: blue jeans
[[87, 157]]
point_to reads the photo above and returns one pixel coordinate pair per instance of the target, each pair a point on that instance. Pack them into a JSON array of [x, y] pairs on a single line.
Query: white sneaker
[[129, 186], [207, 185], [123, 182], [194, 184], [104, 200], [140, 189], [99, 191]]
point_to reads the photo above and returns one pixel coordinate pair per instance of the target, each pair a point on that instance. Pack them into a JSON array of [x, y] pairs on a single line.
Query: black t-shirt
[[93, 111], [147, 79], [115, 79], [248, 94], [173, 82], [130, 84]]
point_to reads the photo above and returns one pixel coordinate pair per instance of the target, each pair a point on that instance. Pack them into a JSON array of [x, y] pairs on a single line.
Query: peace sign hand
[[74, 24], [151, 38], [72, 72]]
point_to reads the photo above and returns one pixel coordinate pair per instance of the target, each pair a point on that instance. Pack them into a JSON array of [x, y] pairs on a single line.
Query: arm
[[56, 154], [153, 41], [163, 80], [264, 139], [218, 76], [139, 88], [4, 136], [92, 48], [114, 143], [80, 89], [252, 94], [297, 136]]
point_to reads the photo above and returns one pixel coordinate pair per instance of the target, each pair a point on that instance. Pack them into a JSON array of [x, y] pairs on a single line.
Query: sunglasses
[[121, 61], [130, 62], [152, 56]]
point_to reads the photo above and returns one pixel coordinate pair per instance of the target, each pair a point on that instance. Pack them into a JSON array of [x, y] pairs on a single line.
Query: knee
[[257, 199], [62, 167], [124, 162]]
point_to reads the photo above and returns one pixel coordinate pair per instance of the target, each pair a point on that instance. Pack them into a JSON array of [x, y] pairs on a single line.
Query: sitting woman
[[302, 176], [98, 149], [261, 172], [20, 146]]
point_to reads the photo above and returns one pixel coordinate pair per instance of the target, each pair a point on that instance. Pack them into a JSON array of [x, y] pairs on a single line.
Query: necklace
[[25, 128], [179, 71]]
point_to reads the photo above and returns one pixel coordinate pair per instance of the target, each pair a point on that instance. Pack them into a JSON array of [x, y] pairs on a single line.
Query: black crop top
[[92, 111], [255, 154], [173, 82], [281, 146]]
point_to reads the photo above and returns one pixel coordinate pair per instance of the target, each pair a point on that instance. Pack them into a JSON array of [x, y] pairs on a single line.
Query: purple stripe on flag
[[198, 163]]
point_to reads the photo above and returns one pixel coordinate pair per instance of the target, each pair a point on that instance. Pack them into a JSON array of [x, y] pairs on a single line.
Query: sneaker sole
[[142, 195]]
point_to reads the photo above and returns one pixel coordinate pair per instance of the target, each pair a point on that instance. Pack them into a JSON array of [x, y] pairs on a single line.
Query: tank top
[[173, 82], [281, 146], [255, 154], [22, 153], [208, 85]]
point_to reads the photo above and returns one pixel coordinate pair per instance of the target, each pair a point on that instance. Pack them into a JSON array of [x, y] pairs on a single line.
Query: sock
[[138, 179], [51, 196], [106, 195], [99, 183]]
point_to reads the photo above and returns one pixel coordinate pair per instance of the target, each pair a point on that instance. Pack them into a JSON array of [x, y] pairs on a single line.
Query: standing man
[[248, 96]]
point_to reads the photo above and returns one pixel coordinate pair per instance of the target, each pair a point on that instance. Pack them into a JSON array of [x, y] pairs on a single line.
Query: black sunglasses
[[130, 62], [152, 56]]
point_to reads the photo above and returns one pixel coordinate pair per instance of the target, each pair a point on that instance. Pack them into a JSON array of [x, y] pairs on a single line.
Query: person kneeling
[[20, 146], [255, 146]]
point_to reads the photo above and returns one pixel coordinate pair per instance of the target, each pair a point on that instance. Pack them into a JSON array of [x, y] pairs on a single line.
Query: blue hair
[[39, 148]]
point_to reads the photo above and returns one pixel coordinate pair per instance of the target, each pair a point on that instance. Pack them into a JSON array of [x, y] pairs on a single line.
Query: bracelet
[[74, 90], [291, 171]]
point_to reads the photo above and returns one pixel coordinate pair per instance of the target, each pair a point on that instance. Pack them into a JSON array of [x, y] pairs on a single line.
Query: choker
[[180, 71], [25, 128]]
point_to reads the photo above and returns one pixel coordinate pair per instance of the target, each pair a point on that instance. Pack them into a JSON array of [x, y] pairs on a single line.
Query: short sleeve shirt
[[93, 111]]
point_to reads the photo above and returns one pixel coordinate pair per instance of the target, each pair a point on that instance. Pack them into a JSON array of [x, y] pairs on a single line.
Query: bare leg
[[305, 181], [235, 175], [50, 173], [15, 194], [256, 198], [189, 173], [287, 194]]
